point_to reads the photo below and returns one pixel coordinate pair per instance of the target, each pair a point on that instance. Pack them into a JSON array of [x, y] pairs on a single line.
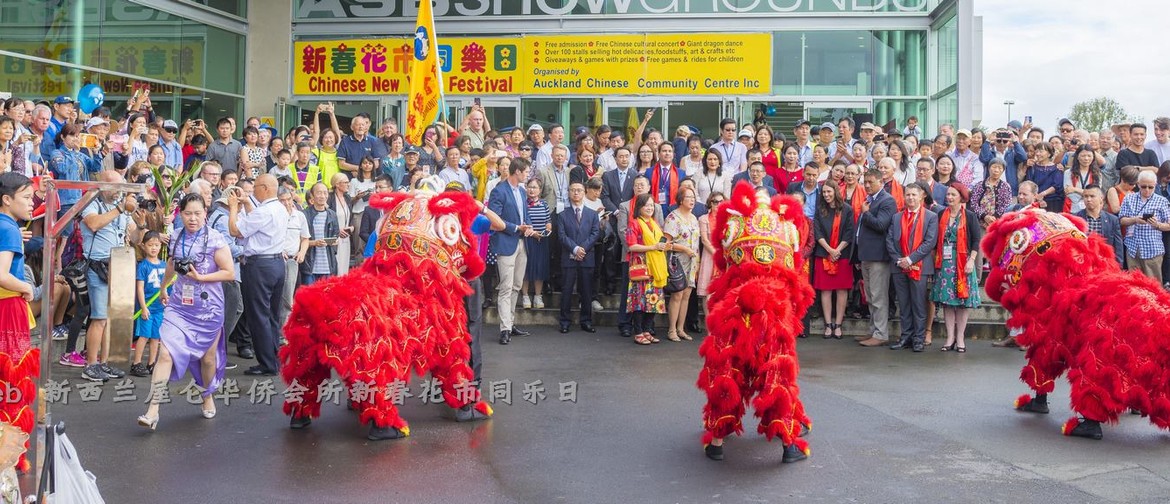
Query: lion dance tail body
[[1083, 315], [754, 317]]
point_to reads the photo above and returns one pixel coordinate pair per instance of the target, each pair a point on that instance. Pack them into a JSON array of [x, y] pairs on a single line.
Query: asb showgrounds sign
[[347, 9], [633, 64]]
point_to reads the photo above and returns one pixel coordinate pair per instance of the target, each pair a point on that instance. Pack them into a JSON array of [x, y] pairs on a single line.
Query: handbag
[[638, 270], [676, 279]]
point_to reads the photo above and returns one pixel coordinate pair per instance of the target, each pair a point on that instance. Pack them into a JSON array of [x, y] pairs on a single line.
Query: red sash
[[915, 271], [856, 201], [898, 193], [961, 248], [655, 186], [834, 240]]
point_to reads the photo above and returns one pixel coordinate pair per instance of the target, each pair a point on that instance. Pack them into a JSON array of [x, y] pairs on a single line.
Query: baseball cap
[[963, 132], [410, 149], [1063, 121], [169, 125], [95, 121], [893, 132], [61, 100], [801, 122], [1014, 124], [536, 127], [829, 125], [869, 126], [744, 133]]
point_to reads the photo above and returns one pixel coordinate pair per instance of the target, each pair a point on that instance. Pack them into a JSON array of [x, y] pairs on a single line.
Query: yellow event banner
[[641, 64], [164, 60]]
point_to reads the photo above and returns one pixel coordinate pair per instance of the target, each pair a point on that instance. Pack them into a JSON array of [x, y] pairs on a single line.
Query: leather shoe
[[918, 347], [505, 337], [564, 328], [900, 345], [626, 333], [246, 353], [259, 371], [873, 342], [859, 339], [587, 327], [299, 422], [516, 331]]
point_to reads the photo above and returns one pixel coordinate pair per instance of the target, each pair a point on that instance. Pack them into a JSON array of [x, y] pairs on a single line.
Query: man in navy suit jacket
[[507, 201], [757, 177], [916, 259], [876, 215], [1103, 223], [579, 229]]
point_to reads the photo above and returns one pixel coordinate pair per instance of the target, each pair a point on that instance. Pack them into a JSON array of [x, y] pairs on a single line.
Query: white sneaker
[[526, 302], [538, 302], [597, 305]]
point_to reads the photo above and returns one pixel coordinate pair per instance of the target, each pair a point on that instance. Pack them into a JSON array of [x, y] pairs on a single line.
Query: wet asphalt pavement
[[889, 427]]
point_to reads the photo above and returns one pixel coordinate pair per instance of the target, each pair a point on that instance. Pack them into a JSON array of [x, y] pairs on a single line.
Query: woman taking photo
[[711, 180], [682, 236], [192, 328], [956, 284], [707, 263], [1083, 172], [431, 154], [833, 276], [991, 198], [648, 270]]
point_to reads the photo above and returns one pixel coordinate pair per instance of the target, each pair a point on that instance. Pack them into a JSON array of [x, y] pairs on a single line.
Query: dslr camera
[[147, 204], [184, 265]]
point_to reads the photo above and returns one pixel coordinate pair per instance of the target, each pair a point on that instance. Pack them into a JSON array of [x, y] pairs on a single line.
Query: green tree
[[1098, 113]]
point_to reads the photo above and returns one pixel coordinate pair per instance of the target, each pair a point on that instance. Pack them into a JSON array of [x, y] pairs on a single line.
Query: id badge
[[560, 207], [188, 296], [948, 252]]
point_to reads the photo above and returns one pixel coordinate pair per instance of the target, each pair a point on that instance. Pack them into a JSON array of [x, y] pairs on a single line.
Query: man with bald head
[[261, 230], [106, 224]]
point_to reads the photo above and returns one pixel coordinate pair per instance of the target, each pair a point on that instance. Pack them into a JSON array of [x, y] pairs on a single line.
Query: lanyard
[[183, 246]]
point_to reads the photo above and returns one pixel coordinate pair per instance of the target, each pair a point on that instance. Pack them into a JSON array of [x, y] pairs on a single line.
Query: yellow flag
[[426, 78]]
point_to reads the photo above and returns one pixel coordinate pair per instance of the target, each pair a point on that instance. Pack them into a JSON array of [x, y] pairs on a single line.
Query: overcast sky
[[1047, 55]]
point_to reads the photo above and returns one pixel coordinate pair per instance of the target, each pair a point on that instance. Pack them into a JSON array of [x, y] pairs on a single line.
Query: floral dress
[[946, 286], [684, 227], [255, 156]]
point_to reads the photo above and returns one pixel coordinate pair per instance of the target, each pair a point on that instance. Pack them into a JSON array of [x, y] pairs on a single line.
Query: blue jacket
[[873, 227], [70, 165], [573, 235], [502, 201]]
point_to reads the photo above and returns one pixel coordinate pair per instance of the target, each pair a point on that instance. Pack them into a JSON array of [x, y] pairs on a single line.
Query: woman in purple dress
[[192, 324]]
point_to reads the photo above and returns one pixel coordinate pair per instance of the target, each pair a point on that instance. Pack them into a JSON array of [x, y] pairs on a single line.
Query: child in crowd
[[148, 282]]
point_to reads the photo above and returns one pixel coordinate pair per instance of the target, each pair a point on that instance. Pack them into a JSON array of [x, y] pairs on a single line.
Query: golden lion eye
[[448, 229]]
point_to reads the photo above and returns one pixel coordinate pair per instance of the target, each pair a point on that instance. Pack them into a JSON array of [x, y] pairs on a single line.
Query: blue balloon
[[90, 97]]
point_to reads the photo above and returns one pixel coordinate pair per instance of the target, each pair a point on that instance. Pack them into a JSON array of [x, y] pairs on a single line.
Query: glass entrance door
[[832, 112], [500, 113], [625, 116]]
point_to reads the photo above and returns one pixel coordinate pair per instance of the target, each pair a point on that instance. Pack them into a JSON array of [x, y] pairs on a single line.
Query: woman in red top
[[790, 171], [764, 144]]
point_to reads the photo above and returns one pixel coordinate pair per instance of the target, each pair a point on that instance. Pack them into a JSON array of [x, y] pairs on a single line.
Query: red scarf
[[898, 193], [655, 186], [589, 171], [856, 201], [962, 249], [915, 272], [834, 240]]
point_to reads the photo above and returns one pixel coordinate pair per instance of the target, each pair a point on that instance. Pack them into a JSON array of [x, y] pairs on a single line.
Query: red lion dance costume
[[1081, 313], [754, 317], [401, 311]]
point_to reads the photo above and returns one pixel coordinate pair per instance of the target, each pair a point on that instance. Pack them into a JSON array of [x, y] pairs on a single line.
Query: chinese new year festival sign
[[637, 64]]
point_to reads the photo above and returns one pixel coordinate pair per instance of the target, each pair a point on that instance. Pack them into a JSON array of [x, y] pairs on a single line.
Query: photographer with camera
[[1005, 145], [192, 328], [1145, 215], [106, 224]]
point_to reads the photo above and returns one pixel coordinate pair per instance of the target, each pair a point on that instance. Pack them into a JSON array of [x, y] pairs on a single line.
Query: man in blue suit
[[1103, 223], [507, 201], [578, 229], [913, 264], [876, 215]]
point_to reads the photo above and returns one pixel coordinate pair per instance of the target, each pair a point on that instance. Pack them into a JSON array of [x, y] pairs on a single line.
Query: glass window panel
[[948, 53], [836, 63], [898, 111], [948, 108]]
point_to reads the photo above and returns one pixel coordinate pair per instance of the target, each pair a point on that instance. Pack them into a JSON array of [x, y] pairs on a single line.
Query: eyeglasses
[[1147, 187]]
